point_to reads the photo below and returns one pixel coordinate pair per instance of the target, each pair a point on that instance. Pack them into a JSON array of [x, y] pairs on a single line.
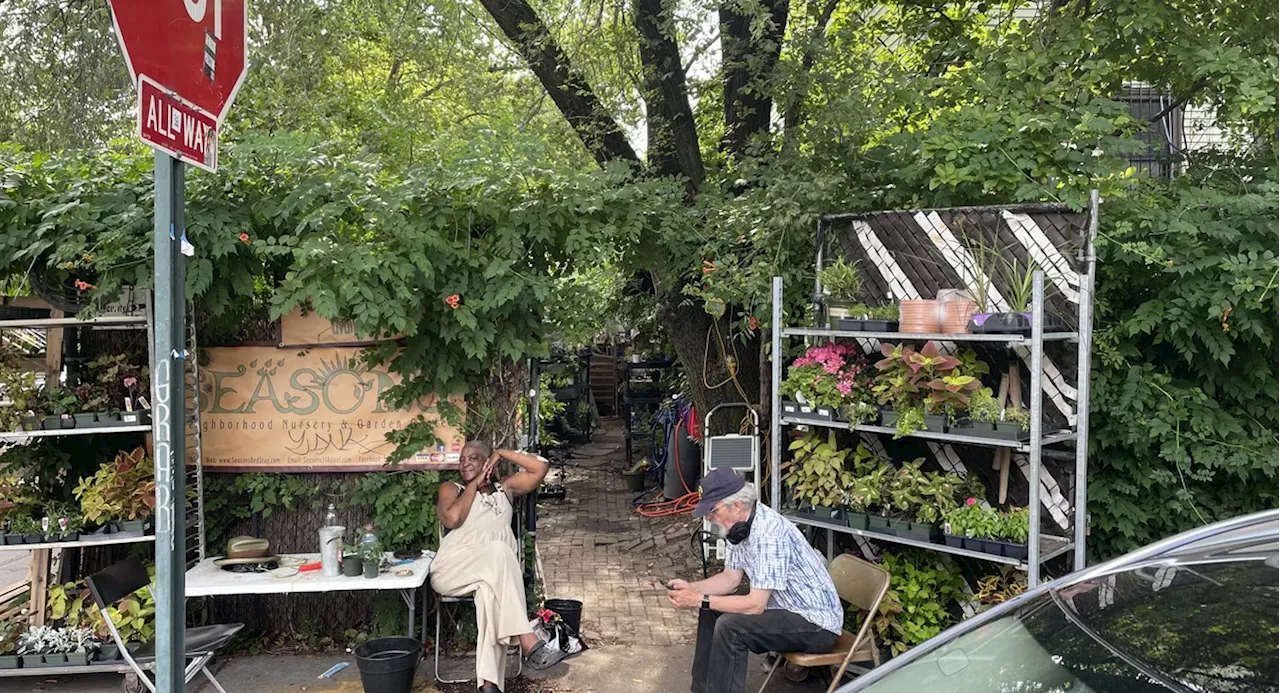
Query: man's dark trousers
[[720, 661]]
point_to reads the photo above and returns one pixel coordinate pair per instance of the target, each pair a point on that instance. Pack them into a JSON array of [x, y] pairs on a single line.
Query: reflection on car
[[1196, 613]]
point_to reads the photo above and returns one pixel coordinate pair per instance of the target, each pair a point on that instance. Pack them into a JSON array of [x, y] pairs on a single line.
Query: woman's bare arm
[[453, 505], [533, 469]]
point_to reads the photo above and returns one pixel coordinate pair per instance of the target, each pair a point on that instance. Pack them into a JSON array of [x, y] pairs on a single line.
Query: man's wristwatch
[[706, 601]]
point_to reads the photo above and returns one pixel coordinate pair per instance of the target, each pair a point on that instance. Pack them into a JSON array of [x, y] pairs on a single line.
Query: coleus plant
[[123, 489]]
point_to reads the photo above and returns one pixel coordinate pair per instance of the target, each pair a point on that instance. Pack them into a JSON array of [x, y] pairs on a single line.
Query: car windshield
[[1204, 628]]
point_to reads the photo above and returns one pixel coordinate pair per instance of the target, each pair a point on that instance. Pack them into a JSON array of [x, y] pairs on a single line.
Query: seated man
[[792, 605], [480, 557]]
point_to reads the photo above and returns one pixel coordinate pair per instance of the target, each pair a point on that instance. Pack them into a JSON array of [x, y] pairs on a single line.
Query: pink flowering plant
[[832, 375]]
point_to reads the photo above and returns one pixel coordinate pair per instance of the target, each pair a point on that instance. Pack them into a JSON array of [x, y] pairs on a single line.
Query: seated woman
[[479, 558]]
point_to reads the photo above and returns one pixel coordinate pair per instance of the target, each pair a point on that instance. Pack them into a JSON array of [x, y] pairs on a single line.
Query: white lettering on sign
[[163, 450], [196, 10], [166, 120]]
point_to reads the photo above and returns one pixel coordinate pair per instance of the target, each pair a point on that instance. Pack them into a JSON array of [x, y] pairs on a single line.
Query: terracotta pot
[[918, 316], [955, 315]]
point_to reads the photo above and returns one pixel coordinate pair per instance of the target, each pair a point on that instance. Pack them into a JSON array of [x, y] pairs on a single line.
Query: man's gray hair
[[746, 495]]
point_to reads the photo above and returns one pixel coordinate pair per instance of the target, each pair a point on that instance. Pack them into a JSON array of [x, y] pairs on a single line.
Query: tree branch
[[566, 86], [673, 136], [809, 56], [1181, 100], [749, 61]]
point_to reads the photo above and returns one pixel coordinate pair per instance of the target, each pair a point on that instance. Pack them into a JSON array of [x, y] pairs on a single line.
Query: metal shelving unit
[[1041, 547], [41, 553], [631, 403]]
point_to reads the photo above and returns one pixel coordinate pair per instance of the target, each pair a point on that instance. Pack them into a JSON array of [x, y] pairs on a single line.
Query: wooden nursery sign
[[263, 408]]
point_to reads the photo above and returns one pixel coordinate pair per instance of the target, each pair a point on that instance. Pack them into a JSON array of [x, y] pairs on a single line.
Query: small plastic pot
[[935, 423], [371, 569], [86, 420], [352, 566]]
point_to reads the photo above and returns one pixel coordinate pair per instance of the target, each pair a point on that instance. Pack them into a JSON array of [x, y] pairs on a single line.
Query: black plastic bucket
[[387, 664], [570, 611]]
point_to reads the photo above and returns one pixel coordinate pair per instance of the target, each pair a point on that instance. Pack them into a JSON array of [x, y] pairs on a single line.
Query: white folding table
[[208, 580]]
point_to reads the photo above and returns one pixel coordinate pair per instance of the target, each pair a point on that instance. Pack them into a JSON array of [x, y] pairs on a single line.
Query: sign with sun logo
[[316, 411]]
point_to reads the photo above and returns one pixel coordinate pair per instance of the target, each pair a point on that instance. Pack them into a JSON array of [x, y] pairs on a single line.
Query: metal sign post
[[169, 383]]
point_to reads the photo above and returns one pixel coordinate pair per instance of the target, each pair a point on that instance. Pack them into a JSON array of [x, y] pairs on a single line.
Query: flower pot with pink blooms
[[825, 382]]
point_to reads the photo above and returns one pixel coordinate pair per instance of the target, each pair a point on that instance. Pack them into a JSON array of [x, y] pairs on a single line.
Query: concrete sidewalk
[[613, 669]]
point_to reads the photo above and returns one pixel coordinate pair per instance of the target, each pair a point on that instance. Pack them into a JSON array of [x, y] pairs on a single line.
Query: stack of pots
[[949, 313]]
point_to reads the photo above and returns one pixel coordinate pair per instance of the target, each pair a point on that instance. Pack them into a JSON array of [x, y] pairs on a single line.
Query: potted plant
[[42, 646], [816, 475], [9, 634], [867, 490], [19, 387], [28, 528], [948, 398], [842, 284], [371, 558], [823, 380], [1012, 531], [1018, 280], [984, 412], [1014, 424], [977, 525], [67, 525], [352, 564], [122, 491], [58, 406], [121, 383], [903, 383], [79, 645]]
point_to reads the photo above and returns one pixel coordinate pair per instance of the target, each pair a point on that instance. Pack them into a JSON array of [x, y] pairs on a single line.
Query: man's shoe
[[542, 657], [490, 688]]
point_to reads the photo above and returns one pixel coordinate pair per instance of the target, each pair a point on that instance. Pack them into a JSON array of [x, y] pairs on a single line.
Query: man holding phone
[[792, 605]]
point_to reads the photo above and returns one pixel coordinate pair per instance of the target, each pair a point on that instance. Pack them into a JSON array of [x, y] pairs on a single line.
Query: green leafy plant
[[17, 498], [950, 394], [920, 603], [123, 489], [403, 506], [972, 520], [983, 407], [922, 496], [25, 525], [10, 631], [816, 472], [1020, 416], [841, 280], [72, 604]]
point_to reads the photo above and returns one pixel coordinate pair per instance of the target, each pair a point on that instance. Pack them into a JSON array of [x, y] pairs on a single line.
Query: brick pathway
[[595, 548]]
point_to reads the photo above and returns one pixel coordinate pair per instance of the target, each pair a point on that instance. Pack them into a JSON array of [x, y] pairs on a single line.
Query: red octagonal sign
[[187, 60]]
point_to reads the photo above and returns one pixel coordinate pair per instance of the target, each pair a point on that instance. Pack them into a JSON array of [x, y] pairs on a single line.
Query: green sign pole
[[168, 408]]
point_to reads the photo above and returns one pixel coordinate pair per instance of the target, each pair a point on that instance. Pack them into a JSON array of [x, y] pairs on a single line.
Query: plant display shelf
[[116, 667], [144, 539], [1050, 546], [63, 432], [1007, 339], [1052, 438], [888, 245]]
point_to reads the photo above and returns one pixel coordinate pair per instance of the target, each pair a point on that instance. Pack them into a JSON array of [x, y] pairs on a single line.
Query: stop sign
[[187, 60]]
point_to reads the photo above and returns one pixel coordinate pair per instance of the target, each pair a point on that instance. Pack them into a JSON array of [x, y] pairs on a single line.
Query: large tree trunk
[[673, 136], [702, 343], [748, 64]]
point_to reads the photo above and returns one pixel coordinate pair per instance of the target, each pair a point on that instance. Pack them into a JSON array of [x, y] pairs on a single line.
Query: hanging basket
[[59, 293]]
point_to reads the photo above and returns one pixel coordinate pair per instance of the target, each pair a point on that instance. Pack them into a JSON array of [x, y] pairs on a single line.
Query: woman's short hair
[[485, 449]]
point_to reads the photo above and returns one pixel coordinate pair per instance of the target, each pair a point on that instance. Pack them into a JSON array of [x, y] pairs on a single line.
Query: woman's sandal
[[542, 657]]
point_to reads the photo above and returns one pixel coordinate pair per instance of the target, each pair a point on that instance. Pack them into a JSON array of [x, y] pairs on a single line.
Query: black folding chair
[[128, 576]]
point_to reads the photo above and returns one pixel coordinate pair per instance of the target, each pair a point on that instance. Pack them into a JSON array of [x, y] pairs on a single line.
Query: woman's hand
[[487, 471]]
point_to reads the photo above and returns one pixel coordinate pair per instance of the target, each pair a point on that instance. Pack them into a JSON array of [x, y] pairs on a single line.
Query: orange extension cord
[[680, 506]]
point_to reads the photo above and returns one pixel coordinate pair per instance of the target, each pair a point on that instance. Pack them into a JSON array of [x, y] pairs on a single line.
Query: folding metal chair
[[441, 600], [863, 585], [128, 576]]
